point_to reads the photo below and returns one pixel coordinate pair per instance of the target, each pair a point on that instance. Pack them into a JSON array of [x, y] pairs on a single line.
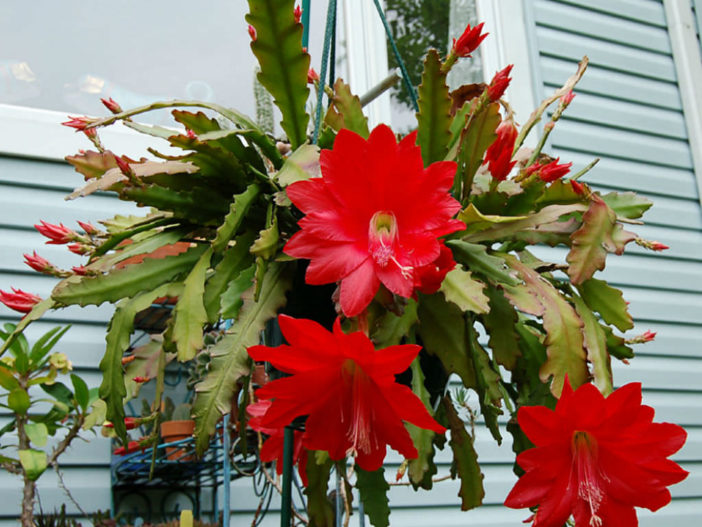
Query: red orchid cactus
[[376, 264]]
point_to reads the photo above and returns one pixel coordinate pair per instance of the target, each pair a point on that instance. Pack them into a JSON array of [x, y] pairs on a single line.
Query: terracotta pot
[[175, 431]]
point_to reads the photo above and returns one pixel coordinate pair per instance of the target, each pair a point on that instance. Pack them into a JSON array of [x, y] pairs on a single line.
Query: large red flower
[[374, 216], [272, 449], [596, 458], [346, 388]]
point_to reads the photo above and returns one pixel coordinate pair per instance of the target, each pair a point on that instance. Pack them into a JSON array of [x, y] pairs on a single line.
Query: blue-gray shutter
[[628, 112], [31, 190]]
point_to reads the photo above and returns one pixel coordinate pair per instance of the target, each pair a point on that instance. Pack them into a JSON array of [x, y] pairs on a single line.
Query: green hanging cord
[[332, 58], [305, 23], [328, 32], [396, 52]]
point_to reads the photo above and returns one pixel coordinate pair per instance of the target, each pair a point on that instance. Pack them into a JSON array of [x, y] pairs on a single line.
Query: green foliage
[[284, 65], [465, 460], [345, 111], [422, 468], [319, 509], [230, 361], [478, 134], [373, 490], [434, 116]]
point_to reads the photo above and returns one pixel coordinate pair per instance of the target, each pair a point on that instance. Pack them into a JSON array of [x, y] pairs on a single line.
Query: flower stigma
[[382, 238], [584, 448], [358, 432]]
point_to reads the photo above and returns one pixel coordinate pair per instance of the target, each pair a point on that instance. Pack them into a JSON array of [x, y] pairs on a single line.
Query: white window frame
[[688, 67]]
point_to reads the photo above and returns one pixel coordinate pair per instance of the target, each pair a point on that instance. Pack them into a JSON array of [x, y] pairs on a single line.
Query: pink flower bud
[[78, 248], [298, 14], [499, 83], [87, 227], [648, 335], [190, 133], [312, 76], [468, 41], [111, 105], [79, 123], [567, 98], [38, 263], [19, 300], [252, 33], [57, 234]]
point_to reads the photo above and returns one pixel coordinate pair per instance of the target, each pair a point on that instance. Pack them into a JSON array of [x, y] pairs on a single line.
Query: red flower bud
[[78, 248], [468, 41], [648, 336], [567, 98], [190, 133], [298, 14], [577, 187], [38, 263], [129, 422], [128, 359], [111, 105], [19, 300], [252, 32], [499, 153], [553, 171], [80, 270], [140, 379], [133, 446], [87, 227], [79, 123], [312, 76], [57, 234], [499, 83], [658, 246], [123, 166]]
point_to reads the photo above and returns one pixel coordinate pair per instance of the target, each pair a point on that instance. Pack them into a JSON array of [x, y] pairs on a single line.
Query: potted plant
[[176, 425]]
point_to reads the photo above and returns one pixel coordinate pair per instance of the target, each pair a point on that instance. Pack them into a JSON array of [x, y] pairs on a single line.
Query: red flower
[[111, 105], [596, 458], [57, 234], [373, 217], [499, 83], [499, 153], [19, 300], [468, 41], [346, 388], [38, 263], [272, 449], [428, 278]]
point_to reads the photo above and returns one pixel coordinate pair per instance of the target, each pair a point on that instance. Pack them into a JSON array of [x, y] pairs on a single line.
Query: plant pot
[[175, 431]]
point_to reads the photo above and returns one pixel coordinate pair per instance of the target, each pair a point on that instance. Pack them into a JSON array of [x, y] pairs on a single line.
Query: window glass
[[65, 55]]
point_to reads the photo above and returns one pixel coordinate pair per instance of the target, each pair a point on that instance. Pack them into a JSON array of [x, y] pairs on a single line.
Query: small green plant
[[38, 415]]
